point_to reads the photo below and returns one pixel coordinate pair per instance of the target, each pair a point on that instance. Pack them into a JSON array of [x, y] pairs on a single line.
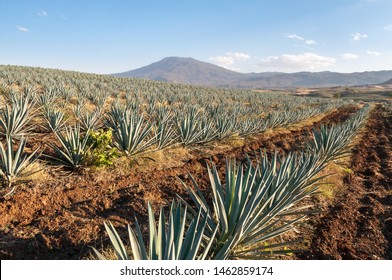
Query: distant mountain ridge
[[191, 71], [389, 82]]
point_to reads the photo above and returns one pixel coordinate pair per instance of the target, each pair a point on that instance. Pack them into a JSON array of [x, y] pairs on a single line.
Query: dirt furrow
[[358, 225]]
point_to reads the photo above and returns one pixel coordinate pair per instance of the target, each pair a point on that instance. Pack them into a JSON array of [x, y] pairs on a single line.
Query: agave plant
[[251, 126], [224, 126], [165, 135], [54, 119], [208, 131], [162, 115], [14, 118], [14, 165], [188, 126], [130, 131], [256, 204], [73, 149], [79, 107], [330, 142], [100, 100], [333, 142], [66, 94], [117, 113], [47, 98], [171, 240], [87, 120]]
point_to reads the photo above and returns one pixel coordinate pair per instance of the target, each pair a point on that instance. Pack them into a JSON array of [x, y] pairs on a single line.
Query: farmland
[[261, 174]]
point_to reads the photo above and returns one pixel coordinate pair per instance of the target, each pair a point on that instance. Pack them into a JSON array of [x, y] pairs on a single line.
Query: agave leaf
[[256, 249], [99, 255], [118, 245], [161, 237], [153, 234], [142, 251]]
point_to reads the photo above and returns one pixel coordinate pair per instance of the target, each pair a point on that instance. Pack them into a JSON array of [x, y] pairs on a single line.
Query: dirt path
[[359, 223], [62, 218]]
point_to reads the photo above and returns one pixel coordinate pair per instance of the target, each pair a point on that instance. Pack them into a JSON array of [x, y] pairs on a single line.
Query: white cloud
[[349, 56], [373, 53], [239, 55], [310, 42], [23, 29], [306, 41], [388, 27], [42, 14], [222, 60], [295, 36], [229, 58], [358, 36], [305, 61]]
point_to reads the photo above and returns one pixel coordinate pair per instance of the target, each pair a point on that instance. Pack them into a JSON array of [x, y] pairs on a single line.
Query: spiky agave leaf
[[15, 117], [88, 120], [333, 142], [54, 118], [172, 239], [188, 126], [164, 134], [249, 207], [208, 130], [73, 149], [132, 134], [14, 164], [224, 126]]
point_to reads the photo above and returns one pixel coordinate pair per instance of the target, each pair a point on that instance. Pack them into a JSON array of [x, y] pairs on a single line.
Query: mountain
[[191, 71], [389, 82], [185, 71]]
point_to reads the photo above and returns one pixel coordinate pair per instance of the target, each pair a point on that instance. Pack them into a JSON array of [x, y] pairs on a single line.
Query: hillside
[[186, 71], [389, 82], [192, 71]]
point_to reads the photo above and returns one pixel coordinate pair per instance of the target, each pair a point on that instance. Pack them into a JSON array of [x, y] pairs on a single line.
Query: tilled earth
[[358, 224], [63, 217]]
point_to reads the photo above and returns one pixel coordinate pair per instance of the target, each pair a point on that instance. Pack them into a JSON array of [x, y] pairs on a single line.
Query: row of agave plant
[[139, 115], [63, 87], [258, 202], [138, 126], [133, 134]]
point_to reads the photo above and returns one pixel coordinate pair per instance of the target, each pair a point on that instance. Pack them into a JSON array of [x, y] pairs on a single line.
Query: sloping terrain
[[389, 82], [185, 71]]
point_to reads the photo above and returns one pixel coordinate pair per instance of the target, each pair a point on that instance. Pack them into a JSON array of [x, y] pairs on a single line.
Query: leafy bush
[[101, 152]]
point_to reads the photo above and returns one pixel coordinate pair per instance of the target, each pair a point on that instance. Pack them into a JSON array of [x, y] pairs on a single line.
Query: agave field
[[95, 166]]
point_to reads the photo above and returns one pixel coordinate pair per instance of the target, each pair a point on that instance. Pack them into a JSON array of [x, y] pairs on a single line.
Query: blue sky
[[247, 36]]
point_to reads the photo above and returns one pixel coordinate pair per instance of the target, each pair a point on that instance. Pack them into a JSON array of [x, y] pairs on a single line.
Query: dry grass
[[333, 184], [234, 141], [170, 157], [37, 172], [108, 252]]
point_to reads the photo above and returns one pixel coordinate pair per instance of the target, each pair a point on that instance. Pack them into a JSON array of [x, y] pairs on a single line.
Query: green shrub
[[101, 152]]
